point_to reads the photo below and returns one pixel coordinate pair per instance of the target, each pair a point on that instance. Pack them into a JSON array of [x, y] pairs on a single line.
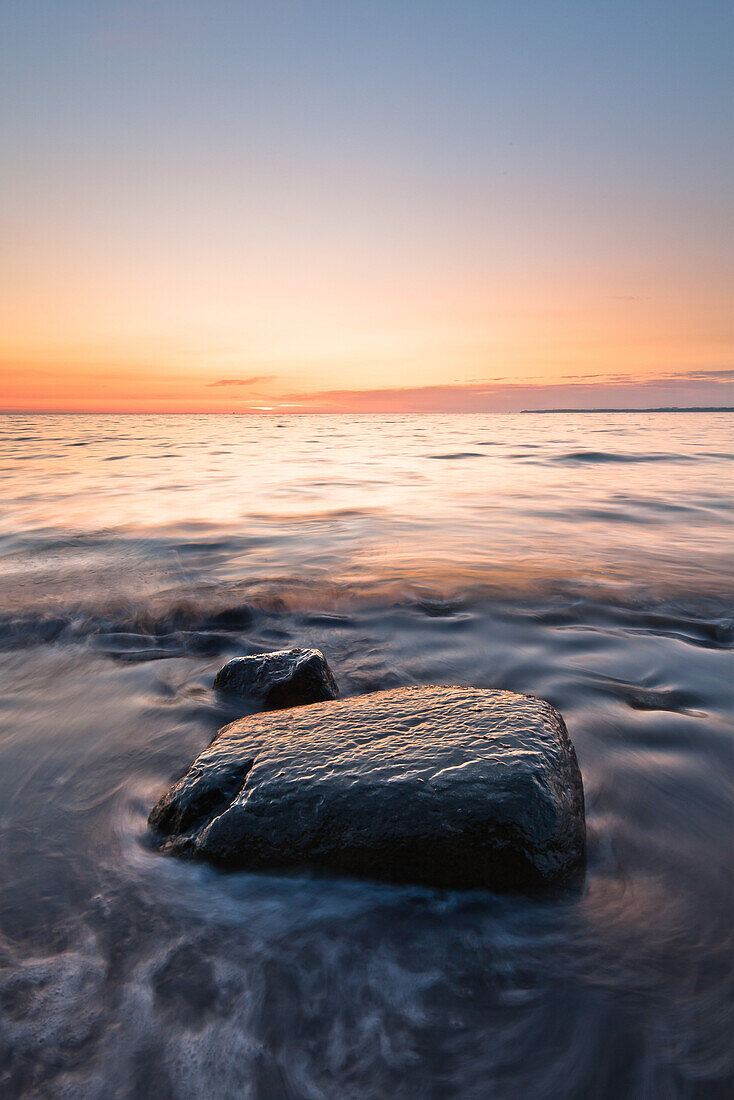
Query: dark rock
[[452, 787], [231, 618], [31, 631], [286, 678]]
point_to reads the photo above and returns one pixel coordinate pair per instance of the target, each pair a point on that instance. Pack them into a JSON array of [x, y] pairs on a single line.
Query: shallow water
[[587, 559]]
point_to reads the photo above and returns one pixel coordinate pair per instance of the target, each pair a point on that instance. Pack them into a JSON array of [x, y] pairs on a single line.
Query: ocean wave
[[458, 455], [601, 457], [206, 625]]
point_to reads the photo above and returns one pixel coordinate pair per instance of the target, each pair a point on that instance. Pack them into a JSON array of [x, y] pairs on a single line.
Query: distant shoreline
[[657, 409]]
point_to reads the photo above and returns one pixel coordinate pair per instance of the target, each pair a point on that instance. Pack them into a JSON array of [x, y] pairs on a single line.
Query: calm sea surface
[[588, 559]]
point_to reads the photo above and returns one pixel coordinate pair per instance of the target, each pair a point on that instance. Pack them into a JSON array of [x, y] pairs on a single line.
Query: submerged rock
[[447, 786], [285, 678]]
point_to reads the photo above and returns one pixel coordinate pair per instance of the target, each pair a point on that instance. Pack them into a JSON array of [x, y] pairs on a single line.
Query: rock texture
[[452, 787], [285, 678]]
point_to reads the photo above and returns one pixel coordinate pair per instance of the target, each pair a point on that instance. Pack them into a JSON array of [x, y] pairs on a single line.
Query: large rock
[[285, 678], [447, 786]]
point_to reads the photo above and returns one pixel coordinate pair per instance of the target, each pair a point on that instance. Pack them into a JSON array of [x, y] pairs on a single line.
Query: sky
[[378, 206]]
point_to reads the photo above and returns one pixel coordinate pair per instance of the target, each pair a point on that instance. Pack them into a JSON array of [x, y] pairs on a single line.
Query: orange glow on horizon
[[344, 357]]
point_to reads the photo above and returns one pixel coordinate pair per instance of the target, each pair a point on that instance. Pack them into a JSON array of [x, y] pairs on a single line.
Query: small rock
[[285, 678], [231, 618], [447, 786]]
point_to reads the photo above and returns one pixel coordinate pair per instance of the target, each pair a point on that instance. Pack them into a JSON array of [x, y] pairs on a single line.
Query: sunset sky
[[366, 206]]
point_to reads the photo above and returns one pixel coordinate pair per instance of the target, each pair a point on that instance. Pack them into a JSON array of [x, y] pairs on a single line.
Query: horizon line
[[389, 413]]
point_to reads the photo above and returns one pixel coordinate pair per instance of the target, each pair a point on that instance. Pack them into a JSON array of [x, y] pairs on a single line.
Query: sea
[[584, 558]]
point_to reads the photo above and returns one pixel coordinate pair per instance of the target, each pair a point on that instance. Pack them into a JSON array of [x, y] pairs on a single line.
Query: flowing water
[[584, 558]]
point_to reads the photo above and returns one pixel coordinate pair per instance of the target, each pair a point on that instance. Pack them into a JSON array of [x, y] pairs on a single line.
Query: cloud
[[709, 375], [695, 387], [253, 381]]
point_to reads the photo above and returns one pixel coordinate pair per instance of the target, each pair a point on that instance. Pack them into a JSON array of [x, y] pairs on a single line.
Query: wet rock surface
[[285, 678], [446, 786]]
